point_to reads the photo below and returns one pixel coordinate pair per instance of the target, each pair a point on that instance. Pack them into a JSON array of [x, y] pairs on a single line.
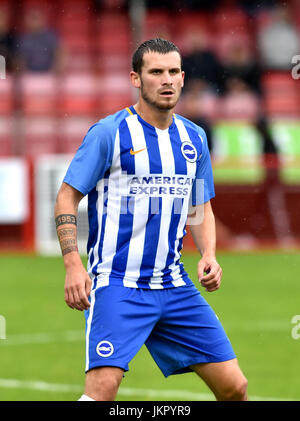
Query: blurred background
[[67, 66]]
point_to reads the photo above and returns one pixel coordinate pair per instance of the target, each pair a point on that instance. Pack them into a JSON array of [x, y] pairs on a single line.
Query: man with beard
[[143, 168]]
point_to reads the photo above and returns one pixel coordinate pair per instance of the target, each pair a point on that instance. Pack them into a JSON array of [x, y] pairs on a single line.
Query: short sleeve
[[203, 187], [92, 159]]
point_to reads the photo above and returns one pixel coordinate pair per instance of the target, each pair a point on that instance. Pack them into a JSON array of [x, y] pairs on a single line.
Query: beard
[[162, 106]]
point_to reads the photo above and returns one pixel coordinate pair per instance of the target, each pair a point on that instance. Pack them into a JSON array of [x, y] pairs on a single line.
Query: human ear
[[135, 79]]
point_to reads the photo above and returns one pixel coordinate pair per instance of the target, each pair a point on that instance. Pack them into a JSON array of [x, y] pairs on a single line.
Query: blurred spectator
[[38, 47], [240, 63], [7, 40], [240, 102], [279, 41], [200, 62], [200, 104]]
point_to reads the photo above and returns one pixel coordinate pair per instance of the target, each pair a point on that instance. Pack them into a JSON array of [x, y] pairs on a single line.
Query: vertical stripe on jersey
[[183, 134], [93, 224], [177, 214], [172, 234], [123, 241], [112, 209], [155, 207], [180, 164], [125, 220], [104, 193], [94, 257], [141, 205], [175, 266], [151, 139], [168, 167], [126, 159]]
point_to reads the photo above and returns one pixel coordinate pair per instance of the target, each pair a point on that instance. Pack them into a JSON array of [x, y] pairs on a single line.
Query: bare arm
[[77, 281], [204, 236]]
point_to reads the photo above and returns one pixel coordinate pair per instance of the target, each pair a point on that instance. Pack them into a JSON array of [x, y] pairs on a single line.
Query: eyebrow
[[159, 69]]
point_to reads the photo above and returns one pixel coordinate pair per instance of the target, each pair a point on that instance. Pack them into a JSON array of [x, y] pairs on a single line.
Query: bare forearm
[[204, 234], [77, 281], [65, 212], [66, 228]]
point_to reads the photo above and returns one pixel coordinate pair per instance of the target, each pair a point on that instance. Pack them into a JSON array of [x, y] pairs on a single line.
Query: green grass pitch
[[42, 357]]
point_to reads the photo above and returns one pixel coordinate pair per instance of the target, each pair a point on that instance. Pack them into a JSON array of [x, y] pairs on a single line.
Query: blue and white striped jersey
[[140, 182]]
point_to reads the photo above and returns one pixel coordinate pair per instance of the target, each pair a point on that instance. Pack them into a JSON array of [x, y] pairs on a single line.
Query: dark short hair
[[156, 45]]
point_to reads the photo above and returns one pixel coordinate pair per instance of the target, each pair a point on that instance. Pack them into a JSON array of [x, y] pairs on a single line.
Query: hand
[[212, 280], [77, 288]]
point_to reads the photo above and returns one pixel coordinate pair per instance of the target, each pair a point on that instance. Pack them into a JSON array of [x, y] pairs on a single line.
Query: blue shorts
[[177, 325]]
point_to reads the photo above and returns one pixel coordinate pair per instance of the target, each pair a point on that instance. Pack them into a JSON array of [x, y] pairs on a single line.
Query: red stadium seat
[[110, 104], [72, 131], [114, 84], [6, 96], [107, 21], [6, 5], [112, 34], [70, 24], [78, 94], [38, 93], [281, 94], [70, 20], [114, 93], [6, 136], [185, 20], [279, 81], [77, 43], [114, 43], [80, 62], [39, 136], [277, 106], [76, 7], [117, 62], [230, 20], [184, 24], [157, 24], [46, 7]]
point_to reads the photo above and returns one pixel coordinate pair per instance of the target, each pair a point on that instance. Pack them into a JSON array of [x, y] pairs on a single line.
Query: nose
[[167, 79]]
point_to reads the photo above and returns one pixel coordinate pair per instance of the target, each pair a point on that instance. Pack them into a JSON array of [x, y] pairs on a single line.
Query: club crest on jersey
[[104, 349], [189, 151]]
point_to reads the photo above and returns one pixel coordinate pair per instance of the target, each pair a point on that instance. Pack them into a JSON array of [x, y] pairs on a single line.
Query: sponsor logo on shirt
[[132, 152]]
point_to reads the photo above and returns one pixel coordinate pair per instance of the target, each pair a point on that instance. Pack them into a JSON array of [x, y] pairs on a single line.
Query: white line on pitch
[[123, 391], [79, 335], [44, 338]]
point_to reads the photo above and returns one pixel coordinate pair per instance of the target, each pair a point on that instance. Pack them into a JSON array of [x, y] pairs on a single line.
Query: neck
[[162, 119]]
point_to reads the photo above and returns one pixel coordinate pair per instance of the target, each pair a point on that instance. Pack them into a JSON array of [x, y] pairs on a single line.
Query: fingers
[[212, 280], [76, 295]]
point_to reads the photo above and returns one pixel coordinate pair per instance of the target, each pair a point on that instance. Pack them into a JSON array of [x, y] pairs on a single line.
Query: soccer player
[[143, 168]]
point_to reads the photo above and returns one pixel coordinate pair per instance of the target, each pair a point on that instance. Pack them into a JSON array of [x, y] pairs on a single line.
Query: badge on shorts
[[104, 348], [189, 151]]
